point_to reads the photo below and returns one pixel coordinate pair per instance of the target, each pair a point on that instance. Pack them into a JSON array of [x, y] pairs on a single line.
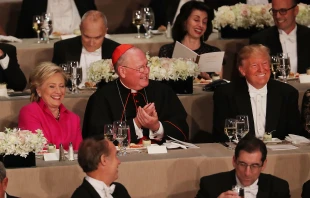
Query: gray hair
[[2, 172], [94, 15]]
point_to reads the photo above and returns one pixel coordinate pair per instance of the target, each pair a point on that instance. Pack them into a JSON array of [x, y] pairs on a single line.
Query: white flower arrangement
[[171, 68], [102, 69], [21, 142], [246, 16]]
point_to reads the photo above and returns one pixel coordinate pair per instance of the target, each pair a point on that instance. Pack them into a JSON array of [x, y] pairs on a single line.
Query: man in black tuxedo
[[4, 182], [31, 8], [286, 36], [98, 159], [269, 104], [249, 161], [10, 72], [91, 46], [306, 190]]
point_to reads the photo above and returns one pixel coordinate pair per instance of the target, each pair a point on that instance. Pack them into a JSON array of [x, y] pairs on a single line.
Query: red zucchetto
[[119, 51]]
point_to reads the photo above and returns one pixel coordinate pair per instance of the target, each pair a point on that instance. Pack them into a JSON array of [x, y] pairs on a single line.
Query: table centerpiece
[[18, 147]]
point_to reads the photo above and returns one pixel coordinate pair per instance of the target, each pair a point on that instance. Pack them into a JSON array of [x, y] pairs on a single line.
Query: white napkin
[[10, 39], [282, 147], [296, 139], [67, 36]]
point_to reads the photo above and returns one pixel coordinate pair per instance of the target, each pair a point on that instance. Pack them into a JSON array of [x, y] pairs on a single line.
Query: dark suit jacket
[[306, 190], [71, 49], [269, 186], [282, 113], [270, 38], [30, 8], [86, 190], [10, 196], [12, 75]]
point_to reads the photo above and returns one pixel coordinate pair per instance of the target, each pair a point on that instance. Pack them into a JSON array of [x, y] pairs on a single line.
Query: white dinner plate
[[274, 140], [156, 32], [288, 78]]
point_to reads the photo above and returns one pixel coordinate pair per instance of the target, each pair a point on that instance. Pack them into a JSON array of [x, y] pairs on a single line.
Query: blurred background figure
[[46, 111], [66, 15], [4, 183], [10, 72], [192, 28], [2, 32], [97, 157], [306, 190]]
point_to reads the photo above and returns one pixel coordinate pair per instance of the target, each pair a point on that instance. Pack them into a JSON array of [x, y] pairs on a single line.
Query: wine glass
[[238, 189], [37, 25], [74, 75], [230, 129], [120, 129], [148, 21], [47, 26], [284, 65], [66, 69], [109, 132], [274, 65], [137, 20], [242, 125]]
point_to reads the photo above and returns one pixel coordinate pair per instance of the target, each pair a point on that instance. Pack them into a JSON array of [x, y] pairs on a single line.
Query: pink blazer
[[36, 115]]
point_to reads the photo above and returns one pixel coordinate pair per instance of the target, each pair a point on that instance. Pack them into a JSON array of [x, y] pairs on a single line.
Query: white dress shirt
[[101, 188], [182, 2], [5, 61], [257, 2], [259, 105], [87, 58], [66, 17], [249, 191], [158, 135], [289, 45]]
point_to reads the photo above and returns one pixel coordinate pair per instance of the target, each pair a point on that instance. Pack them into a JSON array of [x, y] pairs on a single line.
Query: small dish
[[273, 141], [289, 78], [156, 32]]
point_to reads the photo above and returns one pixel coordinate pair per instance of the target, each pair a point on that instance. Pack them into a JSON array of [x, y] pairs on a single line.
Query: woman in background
[[46, 111], [192, 28]]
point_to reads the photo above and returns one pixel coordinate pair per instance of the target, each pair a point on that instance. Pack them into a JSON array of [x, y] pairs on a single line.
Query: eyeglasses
[[140, 69], [253, 167], [282, 11]]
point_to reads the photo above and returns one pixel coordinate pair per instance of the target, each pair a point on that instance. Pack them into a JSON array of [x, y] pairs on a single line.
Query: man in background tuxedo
[[98, 159], [270, 104], [4, 183], [91, 46], [249, 161], [10, 72], [286, 36], [67, 12]]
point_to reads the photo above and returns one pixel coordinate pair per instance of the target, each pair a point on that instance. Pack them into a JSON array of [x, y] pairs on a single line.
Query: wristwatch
[[3, 56]]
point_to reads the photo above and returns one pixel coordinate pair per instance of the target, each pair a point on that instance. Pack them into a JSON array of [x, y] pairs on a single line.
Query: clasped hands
[[147, 117]]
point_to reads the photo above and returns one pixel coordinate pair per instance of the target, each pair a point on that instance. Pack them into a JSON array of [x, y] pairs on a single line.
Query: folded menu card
[[207, 62], [189, 145], [282, 147]]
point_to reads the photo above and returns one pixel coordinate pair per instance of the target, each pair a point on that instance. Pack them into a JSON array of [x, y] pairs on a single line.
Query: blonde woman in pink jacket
[[46, 111]]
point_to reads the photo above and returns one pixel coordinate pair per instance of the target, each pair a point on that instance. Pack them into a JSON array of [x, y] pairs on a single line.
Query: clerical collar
[[251, 88], [132, 90], [96, 52], [292, 33], [239, 183]]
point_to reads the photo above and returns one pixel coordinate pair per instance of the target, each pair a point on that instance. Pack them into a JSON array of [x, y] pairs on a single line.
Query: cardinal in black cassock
[[150, 108]]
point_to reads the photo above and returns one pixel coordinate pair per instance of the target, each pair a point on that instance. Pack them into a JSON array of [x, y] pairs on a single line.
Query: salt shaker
[[62, 156], [71, 153], [168, 30]]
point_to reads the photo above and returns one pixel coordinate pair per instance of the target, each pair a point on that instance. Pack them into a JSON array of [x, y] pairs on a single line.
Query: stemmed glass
[[37, 25], [274, 66], [230, 130], [75, 74], [109, 132], [148, 21], [47, 26], [121, 130], [242, 125], [284, 65], [137, 20], [66, 69]]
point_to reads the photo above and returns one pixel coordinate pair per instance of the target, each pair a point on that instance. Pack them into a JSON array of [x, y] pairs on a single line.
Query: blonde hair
[[251, 50], [40, 74]]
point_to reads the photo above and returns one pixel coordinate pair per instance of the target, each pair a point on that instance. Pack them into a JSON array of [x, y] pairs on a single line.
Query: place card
[[304, 78], [51, 156], [156, 149]]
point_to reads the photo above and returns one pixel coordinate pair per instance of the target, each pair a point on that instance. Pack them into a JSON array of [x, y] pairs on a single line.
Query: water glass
[[284, 65], [75, 74], [148, 21], [242, 125], [47, 26], [230, 129]]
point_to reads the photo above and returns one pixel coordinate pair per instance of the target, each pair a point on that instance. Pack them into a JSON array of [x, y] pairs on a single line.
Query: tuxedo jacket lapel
[[90, 189], [274, 103], [275, 44], [74, 54], [263, 188], [301, 52], [243, 103]]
